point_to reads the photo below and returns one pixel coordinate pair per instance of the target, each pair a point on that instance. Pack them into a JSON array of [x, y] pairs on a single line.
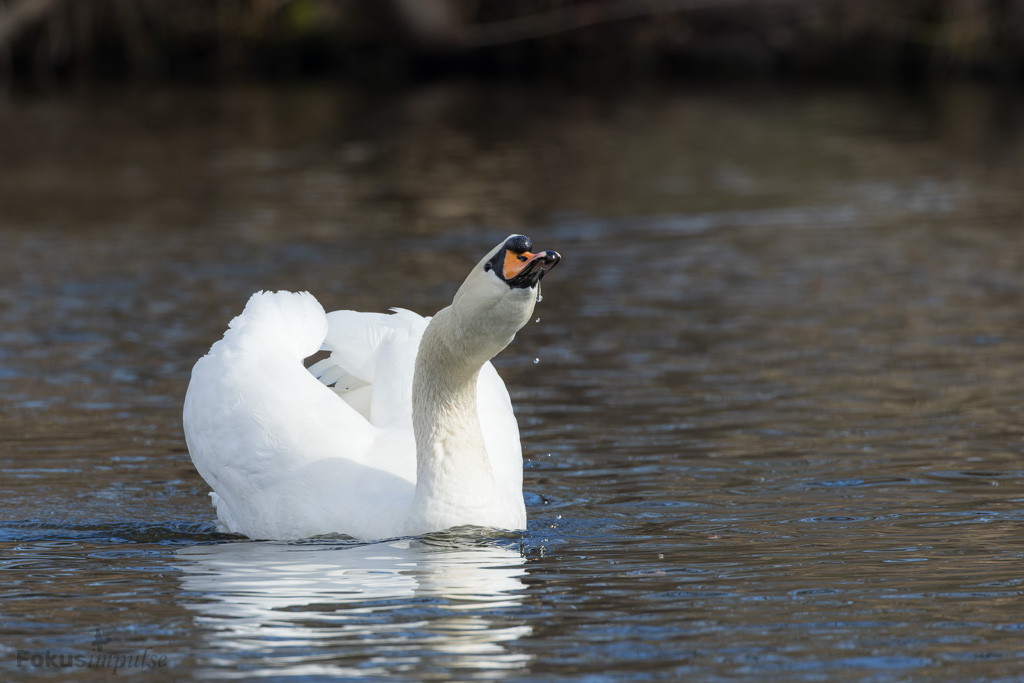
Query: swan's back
[[291, 452]]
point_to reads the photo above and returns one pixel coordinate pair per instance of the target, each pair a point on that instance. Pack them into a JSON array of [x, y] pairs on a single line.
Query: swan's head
[[498, 297], [512, 263]]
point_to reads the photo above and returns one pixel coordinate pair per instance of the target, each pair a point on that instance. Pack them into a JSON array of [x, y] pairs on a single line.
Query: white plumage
[[344, 447]]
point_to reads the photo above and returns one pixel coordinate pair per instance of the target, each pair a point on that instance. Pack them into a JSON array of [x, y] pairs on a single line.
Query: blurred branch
[[582, 15], [21, 15], [430, 22]]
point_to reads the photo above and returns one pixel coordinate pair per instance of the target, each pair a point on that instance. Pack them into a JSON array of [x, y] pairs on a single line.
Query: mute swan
[[405, 429]]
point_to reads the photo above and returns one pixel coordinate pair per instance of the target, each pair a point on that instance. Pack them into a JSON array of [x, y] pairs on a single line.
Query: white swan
[[405, 429]]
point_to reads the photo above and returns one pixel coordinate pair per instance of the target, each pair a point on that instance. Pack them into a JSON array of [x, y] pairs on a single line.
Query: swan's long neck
[[454, 481]]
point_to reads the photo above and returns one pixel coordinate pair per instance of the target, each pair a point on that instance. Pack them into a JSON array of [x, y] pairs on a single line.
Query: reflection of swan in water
[[356, 610]]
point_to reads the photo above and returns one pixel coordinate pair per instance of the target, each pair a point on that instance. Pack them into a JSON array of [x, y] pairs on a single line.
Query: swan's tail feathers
[[371, 362], [353, 390], [355, 339], [328, 372], [293, 321], [335, 377]]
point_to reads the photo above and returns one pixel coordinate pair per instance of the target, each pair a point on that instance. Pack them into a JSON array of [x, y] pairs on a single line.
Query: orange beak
[[526, 269], [514, 263]]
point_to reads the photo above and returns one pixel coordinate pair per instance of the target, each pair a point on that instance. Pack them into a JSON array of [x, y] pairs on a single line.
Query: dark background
[[47, 42]]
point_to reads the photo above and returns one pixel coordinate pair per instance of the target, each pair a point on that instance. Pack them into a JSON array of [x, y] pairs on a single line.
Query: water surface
[[773, 433]]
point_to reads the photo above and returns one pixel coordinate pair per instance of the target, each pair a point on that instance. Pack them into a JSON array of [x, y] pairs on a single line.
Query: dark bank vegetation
[[55, 40]]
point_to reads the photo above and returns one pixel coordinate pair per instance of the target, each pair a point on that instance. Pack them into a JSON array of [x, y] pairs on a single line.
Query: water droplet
[[537, 320], [536, 360], [539, 297]]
